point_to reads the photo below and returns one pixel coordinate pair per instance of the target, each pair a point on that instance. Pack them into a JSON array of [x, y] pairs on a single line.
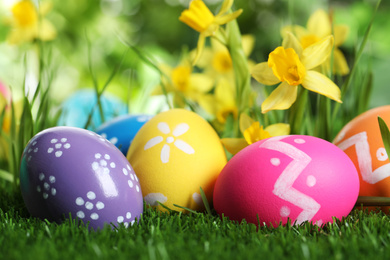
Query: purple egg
[[68, 170]]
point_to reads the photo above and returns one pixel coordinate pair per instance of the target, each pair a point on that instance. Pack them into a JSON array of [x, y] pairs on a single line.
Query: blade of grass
[[189, 210], [95, 84], [205, 201], [6, 175], [13, 159], [147, 60], [365, 94], [100, 93], [359, 54]]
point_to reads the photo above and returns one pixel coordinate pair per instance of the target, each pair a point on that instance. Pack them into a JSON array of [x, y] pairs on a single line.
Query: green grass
[[189, 236]]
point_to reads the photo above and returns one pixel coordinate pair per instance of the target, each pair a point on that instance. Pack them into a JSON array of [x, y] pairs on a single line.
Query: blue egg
[[77, 108], [121, 130]]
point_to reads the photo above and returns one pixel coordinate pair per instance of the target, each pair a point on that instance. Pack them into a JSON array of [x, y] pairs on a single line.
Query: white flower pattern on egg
[[46, 186], [179, 130], [90, 205], [58, 145], [125, 219]]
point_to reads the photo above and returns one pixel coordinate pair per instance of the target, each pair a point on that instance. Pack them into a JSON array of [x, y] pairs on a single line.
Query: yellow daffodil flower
[[201, 19], [222, 103], [183, 83], [292, 65], [7, 110], [27, 23], [253, 132], [216, 60], [318, 27]]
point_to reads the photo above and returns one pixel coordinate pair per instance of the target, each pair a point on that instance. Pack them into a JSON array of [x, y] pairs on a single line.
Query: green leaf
[[359, 54], [385, 134], [6, 176]]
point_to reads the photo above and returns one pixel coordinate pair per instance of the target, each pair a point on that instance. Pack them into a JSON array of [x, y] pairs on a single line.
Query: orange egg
[[361, 140]]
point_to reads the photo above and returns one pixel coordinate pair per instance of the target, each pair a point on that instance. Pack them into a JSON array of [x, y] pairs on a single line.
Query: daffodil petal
[[223, 19], [45, 7], [340, 63], [201, 82], [224, 92], [207, 103], [234, 145], [248, 43], [278, 129], [281, 98], [264, 74], [204, 59], [317, 82], [46, 31], [340, 34], [297, 30], [19, 35], [317, 53], [199, 48], [216, 45], [319, 24], [245, 122], [290, 41]]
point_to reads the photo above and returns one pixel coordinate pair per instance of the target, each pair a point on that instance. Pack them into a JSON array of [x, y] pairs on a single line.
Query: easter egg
[[77, 108], [121, 130], [301, 178], [68, 170], [175, 154], [361, 140]]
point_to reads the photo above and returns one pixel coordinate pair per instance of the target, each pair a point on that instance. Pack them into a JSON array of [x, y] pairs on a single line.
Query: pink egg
[[302, 178]]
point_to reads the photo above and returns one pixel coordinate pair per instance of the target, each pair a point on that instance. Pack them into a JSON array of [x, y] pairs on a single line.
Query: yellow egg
[[174, 154]]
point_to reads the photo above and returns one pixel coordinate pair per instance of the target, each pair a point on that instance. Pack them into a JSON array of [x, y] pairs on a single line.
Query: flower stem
[[372, 201], [296, 114], [240, 67]]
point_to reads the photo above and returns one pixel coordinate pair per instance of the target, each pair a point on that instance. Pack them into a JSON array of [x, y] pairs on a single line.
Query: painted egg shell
[[121, 130], [77, 108], [71, 170], [361, 140], [302, 178], [174, 154]]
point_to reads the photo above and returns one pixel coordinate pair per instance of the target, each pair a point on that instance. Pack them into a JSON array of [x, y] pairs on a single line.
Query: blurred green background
[[105, 28]]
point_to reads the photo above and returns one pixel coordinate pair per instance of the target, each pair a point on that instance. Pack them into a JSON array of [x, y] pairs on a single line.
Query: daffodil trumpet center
[[255, 133], [286, 66], [181, 77], [222, 62], [25, 13], [198, 16]]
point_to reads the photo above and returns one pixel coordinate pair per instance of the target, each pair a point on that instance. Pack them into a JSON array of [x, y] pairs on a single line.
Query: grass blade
[[6, 176], [205, 201], [359, 53], [189, 210]]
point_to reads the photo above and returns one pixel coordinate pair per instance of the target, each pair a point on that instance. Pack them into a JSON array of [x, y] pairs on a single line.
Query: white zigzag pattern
[[283, 185], [364, 158]]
